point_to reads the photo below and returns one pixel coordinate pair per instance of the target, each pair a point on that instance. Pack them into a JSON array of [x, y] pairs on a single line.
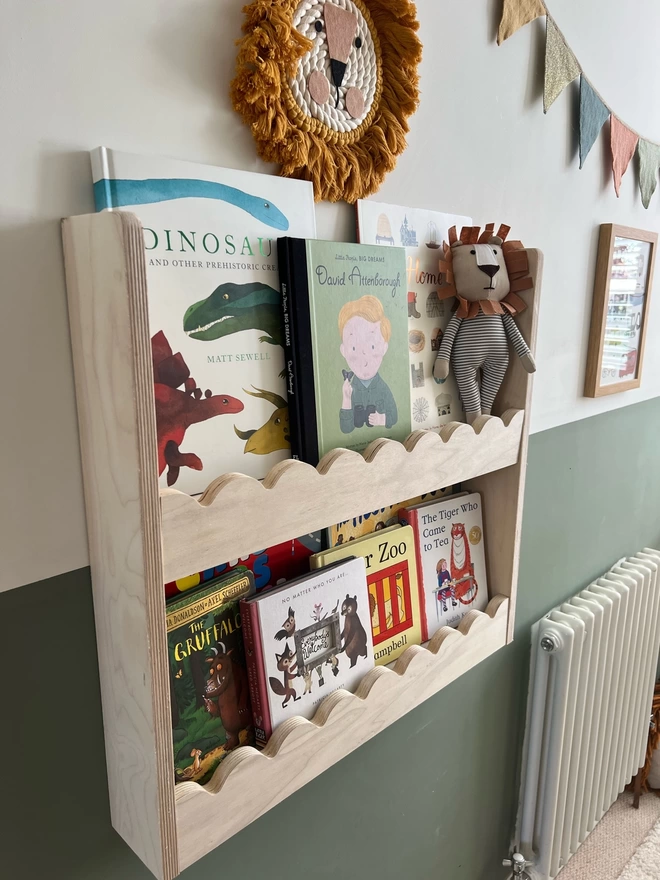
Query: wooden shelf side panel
[[114, 388], [248, 783]]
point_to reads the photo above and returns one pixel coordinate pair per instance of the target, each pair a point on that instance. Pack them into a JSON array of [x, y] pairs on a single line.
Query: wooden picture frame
[[619, 315]]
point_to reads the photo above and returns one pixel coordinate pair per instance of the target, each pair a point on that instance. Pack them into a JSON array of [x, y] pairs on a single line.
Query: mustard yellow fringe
[[341, 166]]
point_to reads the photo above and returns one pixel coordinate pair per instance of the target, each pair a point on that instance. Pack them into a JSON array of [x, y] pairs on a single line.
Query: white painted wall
[[153, 77]]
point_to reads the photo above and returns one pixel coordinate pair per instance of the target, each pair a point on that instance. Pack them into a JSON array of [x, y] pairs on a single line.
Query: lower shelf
[[248, 783]]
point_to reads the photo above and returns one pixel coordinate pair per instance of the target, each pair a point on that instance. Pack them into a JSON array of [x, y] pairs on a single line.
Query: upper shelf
[[295, 498]]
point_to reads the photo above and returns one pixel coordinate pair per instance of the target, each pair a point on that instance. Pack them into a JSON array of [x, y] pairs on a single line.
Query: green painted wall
[[431, 798]]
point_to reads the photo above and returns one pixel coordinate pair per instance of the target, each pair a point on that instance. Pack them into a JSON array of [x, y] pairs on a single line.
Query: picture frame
[[619, 315], [317, 643]]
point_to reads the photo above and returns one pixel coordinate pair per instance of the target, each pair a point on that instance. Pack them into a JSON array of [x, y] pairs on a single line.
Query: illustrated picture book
[[346, 339], [209, 693], [389, 556], [270, 567], [434, 401], [215, 310], [451, 560], [375, 520], [304, 640]]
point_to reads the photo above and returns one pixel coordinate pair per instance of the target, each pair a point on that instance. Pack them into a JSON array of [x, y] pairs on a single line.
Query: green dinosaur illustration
[[235, 307]]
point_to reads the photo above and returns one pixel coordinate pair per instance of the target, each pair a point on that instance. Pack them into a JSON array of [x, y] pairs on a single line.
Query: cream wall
[[153, 76]]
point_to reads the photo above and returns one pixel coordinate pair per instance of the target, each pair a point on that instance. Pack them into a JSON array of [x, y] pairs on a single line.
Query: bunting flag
[[649, 162], [563, 68], [623, 143], [516, 14], [593, 116]]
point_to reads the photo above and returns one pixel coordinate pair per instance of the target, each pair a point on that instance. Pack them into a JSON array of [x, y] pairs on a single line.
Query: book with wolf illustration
[[375, 520], [209, 694], [346, 332], [434, 402], [270, 567], [451, 561], [305, 639], [394, 609], [215, 310]]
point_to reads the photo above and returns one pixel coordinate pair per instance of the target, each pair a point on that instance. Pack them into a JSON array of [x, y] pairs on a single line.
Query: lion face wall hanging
[[327, 87]]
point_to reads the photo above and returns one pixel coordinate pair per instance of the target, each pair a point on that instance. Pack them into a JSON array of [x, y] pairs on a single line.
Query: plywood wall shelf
[[141, 536]]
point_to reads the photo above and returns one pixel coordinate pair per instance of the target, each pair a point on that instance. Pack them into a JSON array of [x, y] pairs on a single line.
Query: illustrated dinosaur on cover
[[235, 307], [177, 408]]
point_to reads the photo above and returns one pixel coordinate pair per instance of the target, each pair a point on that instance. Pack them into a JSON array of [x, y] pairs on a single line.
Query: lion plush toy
[[483, 271]]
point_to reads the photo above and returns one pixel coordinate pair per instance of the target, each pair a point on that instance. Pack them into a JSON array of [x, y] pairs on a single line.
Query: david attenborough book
[[434, 401], [451, 561], [209, 692], [270, 567], [215, 310], [305, 639], [394, 609], [346, 332], [375, 520]]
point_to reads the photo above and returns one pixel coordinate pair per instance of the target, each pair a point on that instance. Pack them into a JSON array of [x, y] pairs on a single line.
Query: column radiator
[[593, 668]]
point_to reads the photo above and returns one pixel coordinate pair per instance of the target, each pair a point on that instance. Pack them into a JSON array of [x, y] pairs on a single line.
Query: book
[[434, 401], [304, 640], [270, 567], [391, 567], [215, 311], [375, 520], [451, 560], [346, 344], [209, 694]]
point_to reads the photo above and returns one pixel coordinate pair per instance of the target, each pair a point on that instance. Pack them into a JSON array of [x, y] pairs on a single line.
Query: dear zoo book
[[421, 232], [346, 305], [209, 692], [215, 309], [304, 640], [451, 561]]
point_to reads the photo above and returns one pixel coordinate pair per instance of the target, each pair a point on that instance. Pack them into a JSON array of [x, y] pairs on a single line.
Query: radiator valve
[[517, 863]]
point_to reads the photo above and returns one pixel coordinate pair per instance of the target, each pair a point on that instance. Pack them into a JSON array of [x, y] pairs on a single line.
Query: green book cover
[[209, 694], [359, 324]]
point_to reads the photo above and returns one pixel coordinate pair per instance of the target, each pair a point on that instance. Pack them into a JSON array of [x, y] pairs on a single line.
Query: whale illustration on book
[[121, 193], [235, 307]]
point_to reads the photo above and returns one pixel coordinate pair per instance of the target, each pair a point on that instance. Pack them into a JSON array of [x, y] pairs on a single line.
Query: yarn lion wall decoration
[[327, 88]]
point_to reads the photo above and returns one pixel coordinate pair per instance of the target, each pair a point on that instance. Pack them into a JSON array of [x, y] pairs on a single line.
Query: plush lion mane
[[341, 165], [517, 266]]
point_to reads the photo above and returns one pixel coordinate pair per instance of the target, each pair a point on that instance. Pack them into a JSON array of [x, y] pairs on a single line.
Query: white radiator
[[593, 668]]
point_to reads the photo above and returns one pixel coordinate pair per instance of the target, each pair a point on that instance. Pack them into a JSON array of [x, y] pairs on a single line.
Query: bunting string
[[561, 69]]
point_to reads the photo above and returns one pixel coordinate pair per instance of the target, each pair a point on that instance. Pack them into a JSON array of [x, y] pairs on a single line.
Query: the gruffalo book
[[305, 639], [346, 303], [451, 561], [394, 609], [434, 401], [215, 309], [210, 700]]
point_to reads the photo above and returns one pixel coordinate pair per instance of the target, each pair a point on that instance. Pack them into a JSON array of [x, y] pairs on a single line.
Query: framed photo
[[622, 294]]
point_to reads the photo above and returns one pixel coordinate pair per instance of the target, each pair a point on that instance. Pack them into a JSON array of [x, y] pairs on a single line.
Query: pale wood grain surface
[[248, 782], [106, 284]]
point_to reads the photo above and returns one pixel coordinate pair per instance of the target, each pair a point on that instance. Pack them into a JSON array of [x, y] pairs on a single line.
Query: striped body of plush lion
[[484, 272]]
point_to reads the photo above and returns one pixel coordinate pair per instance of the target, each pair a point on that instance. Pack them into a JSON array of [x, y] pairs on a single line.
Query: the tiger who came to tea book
[[421, 232], [305, 639], [215, 308], [394, 608], [347, 303], [210, 702]]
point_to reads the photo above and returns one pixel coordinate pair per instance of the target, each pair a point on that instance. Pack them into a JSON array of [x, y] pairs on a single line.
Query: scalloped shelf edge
[[248, 782], [296, 499]]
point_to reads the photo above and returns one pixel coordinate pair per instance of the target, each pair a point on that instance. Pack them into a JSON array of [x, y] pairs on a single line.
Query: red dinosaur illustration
[[177, 409]]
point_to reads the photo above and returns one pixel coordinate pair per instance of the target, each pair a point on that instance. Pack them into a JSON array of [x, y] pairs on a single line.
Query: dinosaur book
[[346, 329], [215, 309], [209, 694], [305, 639], [451, 559], [394, 612], [434, 402]]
